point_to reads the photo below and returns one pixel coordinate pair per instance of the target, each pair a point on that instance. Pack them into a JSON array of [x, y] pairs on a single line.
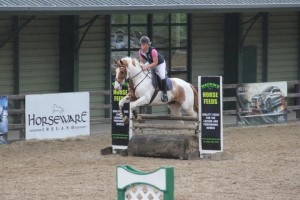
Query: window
[[168, 33]]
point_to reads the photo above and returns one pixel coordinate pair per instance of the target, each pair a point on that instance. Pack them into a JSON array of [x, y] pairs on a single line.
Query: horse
[[182, 96]]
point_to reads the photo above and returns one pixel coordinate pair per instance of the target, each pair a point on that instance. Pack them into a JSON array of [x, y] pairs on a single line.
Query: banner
[[261, 103], [60, 115], [120, 130], [3, 119], [210, 114]]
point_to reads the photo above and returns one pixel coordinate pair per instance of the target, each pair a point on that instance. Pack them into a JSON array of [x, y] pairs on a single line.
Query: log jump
[[145, 121], [160, 140]]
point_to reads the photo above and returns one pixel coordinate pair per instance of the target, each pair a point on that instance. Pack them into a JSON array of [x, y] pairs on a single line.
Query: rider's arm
[[154, 55], [141, 59]]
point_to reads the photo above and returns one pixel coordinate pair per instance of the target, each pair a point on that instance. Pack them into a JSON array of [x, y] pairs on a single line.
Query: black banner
[[210, 91], [120, 130]]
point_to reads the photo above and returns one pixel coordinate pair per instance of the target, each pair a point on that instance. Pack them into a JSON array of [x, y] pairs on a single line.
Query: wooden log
[[163, 146]]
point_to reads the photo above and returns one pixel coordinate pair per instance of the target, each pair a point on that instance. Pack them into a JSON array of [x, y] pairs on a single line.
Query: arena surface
[[261, 163]]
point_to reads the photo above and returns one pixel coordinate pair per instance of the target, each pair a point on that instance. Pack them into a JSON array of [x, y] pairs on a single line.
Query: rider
[[150, 59]]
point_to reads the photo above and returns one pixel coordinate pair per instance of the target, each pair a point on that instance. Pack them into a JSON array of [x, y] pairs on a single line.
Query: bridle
[[117, 79], [146, 75]]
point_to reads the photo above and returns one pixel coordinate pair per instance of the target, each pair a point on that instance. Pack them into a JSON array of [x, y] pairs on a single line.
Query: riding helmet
[[145, 40]]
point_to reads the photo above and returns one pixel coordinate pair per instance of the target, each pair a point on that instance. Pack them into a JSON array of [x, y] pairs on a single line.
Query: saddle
[[157, 82]]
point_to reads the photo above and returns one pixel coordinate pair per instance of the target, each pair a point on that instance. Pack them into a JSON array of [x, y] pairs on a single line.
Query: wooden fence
[[17, 105]]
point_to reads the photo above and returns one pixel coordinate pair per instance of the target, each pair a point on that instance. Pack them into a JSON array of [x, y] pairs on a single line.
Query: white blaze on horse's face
[[120, 78]]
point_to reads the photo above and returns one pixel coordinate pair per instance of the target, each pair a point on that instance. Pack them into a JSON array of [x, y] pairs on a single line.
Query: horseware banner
[[119, 129], [60, 115], [210, 114], [261, 103]]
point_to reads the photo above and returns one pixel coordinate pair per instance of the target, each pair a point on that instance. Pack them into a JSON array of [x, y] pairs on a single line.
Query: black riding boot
[[164, 97]]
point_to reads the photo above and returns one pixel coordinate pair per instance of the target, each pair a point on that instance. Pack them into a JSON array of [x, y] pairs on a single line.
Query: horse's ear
[[116, 62], [124, 62]]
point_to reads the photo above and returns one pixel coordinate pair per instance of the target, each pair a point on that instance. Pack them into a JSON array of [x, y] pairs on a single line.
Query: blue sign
[[3, 115]]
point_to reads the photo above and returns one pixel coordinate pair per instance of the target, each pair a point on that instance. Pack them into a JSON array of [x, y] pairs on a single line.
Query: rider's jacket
[[148, 56]]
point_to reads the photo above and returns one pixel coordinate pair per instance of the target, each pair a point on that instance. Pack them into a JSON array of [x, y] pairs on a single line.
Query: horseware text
[[50, 120]]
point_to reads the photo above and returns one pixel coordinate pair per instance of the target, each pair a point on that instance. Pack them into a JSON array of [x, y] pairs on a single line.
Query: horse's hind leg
[[188, 107], [175, 109]]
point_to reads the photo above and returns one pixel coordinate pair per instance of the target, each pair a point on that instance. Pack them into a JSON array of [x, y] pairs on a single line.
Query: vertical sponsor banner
[[3, 119], [261, 103], [210, 114], [60, 115], [120, 130]]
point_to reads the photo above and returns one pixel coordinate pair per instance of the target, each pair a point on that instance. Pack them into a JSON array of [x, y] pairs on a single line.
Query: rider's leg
[[164, 97], [161, 69]]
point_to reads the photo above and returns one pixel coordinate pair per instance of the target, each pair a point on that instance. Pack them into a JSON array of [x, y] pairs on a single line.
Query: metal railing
[[17, 105]]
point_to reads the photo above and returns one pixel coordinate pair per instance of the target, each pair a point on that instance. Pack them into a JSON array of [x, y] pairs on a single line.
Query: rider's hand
[[145, 68]]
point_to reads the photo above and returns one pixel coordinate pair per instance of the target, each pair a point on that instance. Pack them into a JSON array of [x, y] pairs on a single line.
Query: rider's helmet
[[145, 40]]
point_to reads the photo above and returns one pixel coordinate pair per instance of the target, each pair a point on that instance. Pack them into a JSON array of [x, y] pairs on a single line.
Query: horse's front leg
[[139, 102], [124, 100]]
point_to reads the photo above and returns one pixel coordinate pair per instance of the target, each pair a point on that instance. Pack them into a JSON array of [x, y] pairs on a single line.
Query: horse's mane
[[131, 60]]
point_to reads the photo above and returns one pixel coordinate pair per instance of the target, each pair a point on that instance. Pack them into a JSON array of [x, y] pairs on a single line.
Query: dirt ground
[[264, 163]]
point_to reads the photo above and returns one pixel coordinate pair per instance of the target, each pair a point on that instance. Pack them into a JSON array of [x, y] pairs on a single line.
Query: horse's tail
[[195, 98]]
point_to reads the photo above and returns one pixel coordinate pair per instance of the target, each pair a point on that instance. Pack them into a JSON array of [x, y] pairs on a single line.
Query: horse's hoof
[[125, 119]]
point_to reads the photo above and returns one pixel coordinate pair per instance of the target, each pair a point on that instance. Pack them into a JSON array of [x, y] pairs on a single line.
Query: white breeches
[[160, 70]]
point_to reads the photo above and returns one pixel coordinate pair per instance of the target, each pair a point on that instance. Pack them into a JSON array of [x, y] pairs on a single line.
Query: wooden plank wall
[[6, 56], [39, 55]]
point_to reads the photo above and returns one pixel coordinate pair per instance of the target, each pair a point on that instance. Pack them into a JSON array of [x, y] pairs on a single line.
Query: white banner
[[60, 115]]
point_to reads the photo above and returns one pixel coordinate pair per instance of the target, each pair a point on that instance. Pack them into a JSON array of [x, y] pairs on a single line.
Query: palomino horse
[[183, 95]]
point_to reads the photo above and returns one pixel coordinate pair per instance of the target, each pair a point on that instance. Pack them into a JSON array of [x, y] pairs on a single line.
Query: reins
[[120, 63], [146, 75]]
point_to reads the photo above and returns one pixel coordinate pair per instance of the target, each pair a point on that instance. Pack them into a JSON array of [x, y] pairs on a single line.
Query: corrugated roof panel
[[123, 5], [55, 3]]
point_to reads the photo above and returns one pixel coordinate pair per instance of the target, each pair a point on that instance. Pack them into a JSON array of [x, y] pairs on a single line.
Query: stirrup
[[164, 98]]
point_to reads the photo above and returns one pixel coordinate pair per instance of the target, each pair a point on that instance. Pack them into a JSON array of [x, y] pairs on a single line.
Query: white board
[[54, 116]]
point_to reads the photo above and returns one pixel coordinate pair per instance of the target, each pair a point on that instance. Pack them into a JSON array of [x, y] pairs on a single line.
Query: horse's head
[[125, 67], [121, 74]]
